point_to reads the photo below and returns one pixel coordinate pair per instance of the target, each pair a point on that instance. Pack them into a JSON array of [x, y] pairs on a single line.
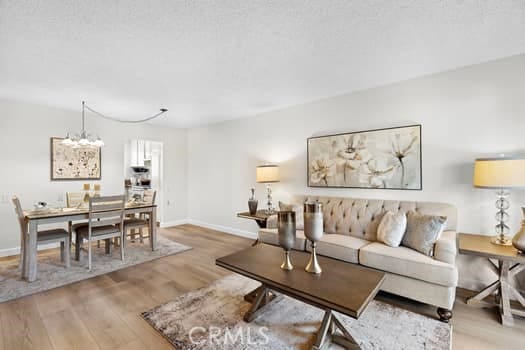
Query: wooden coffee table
[[342, 287]]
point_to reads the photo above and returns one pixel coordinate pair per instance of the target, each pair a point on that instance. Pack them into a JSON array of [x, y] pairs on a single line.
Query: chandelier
[[85, 139]]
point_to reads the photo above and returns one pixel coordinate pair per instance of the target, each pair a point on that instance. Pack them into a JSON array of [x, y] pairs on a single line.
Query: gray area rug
[[53, 274], [211, 318]]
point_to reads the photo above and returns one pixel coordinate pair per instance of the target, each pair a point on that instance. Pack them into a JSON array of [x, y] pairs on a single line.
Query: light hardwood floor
[[104, 312]]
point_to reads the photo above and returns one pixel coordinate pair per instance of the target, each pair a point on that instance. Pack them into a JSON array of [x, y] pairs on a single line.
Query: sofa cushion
[[340, 247], [269, 236], [408, 262]]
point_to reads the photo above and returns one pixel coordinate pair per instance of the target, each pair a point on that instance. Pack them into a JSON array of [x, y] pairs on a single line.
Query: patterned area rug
[[53, 274], [211, 318]]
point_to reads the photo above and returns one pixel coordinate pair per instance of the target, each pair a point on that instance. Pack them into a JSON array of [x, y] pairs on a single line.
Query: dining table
[[34, 218]]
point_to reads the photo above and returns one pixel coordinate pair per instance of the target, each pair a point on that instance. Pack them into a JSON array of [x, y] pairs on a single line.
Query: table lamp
[[501, 174], [268, 174]]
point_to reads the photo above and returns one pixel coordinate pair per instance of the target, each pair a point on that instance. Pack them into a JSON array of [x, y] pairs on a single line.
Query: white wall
[[25, 164], [466, 113], [208, 171]]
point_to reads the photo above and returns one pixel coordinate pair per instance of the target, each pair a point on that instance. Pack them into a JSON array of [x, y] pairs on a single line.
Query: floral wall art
[[385, 158], [70, 163]]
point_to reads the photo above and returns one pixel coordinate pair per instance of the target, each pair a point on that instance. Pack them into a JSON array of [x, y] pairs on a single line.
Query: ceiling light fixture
[[85, 139]]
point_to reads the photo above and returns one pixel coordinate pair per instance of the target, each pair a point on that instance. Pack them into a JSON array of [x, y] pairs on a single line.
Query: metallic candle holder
[[286, 233], [313, 230]]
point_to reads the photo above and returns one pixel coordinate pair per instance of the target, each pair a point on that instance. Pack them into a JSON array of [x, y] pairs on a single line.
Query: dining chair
[[106, 221], [142, 221], [57, 235], [74, 199]]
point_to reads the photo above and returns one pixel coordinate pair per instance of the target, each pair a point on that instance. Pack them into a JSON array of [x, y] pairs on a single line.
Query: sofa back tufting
[[361, 217]]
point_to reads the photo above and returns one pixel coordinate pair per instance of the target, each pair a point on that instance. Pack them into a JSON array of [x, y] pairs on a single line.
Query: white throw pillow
[[299, 216], [392, 228]]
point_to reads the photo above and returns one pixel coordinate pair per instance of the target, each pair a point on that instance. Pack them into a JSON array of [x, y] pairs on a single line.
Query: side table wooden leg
[[505, 310], [478, 298]]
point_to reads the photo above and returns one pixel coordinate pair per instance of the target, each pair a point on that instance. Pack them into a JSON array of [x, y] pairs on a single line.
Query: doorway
[[147, 154]]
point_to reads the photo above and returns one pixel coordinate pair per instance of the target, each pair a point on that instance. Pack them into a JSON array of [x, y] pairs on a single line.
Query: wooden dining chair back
[[57, 235], [105, 221], [143, 221], [106, 210], [150, 196], [20, 215], [23, 229], [74, 199]]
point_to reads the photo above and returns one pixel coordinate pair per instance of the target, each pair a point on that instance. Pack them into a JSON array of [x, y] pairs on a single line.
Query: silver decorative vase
[[286, 233], [313, 230], [518, 241], [252, 203]]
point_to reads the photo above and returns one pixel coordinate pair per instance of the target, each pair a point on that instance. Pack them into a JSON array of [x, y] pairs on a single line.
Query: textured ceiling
[[209, 61]]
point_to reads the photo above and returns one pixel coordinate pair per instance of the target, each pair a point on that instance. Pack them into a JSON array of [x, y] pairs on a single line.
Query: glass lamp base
[[501, 240]]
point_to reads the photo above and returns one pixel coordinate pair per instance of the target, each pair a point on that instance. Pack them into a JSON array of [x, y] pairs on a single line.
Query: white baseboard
[[16, 250], [230, 230], [173, 223]]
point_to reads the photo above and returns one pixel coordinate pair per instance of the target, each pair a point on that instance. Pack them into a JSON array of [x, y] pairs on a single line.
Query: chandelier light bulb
[[68, 141], [98, 142], [84, 141]]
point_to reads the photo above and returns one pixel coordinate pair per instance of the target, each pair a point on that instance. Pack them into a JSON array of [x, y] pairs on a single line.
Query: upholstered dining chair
[[106, 221], [142, 221], [57, 235]]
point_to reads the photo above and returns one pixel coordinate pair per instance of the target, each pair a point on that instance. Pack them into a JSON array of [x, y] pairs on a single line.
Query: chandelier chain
[[162, 111]]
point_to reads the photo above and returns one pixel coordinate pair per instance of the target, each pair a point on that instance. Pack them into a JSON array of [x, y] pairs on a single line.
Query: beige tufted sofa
[[350, 227]]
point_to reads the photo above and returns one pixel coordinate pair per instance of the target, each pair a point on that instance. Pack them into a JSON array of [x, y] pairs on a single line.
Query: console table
[[510, 263], [260, 217]]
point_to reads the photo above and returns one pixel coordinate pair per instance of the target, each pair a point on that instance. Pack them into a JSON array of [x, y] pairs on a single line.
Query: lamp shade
[[502, 172], [267, 173]]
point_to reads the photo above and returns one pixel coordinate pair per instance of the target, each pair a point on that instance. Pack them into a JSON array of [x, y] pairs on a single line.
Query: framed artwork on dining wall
[[69, 163], [382, 158]]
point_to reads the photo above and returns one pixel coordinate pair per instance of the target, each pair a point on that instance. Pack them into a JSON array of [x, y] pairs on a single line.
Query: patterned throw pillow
[[423, 231], [299, 213], [392, 228]]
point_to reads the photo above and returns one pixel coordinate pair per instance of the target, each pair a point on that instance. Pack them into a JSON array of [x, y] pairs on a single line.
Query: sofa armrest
[[271, 222], [445, 249]]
